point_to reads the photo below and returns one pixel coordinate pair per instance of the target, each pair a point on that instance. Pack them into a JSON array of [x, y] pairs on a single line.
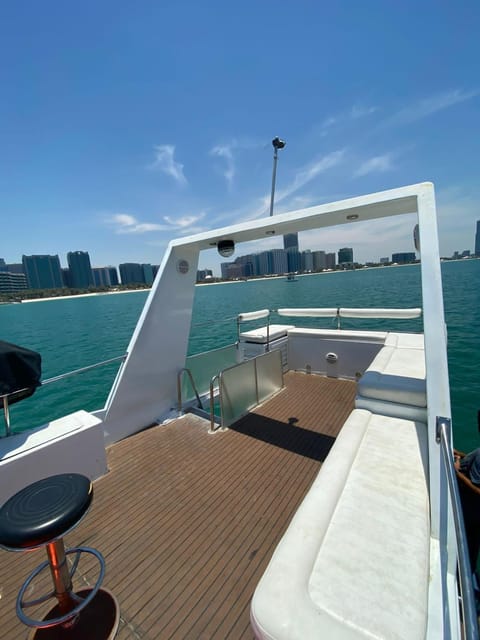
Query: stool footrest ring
[[42, 624]]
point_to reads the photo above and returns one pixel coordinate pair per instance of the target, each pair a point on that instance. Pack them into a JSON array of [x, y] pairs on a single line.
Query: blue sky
[[126, 124]]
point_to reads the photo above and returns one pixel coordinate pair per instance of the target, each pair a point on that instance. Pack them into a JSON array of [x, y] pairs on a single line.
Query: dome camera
[[226, 248]]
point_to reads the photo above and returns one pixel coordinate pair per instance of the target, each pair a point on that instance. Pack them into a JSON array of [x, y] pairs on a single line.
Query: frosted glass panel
[[269, 374], [245, 385], [238, 391], [206, 365]]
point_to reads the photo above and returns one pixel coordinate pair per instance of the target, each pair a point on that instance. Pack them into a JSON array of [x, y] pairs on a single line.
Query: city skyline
[[164, 128]]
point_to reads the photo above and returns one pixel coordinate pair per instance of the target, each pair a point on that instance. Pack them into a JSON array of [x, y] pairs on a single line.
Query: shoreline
[[80, 295]]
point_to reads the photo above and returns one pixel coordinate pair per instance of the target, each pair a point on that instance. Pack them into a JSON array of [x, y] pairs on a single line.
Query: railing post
[[443, 438], [6, 415]]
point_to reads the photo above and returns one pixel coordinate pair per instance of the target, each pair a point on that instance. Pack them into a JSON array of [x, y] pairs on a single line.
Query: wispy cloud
[[343, 117], [428, 106], [126, 223], [165, 162], [225, 151], [375, 165], [359, 111]]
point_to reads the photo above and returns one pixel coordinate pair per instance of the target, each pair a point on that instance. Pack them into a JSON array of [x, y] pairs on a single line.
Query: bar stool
[[39, 516]]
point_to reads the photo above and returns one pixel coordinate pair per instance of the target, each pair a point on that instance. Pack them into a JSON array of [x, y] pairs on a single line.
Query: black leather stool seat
[[44, 511]]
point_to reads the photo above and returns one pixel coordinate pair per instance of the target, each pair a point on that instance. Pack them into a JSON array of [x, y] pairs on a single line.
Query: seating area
[[367, 508], [323, 572]]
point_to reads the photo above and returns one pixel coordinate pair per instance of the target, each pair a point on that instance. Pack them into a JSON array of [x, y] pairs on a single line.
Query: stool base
[[99, 620]]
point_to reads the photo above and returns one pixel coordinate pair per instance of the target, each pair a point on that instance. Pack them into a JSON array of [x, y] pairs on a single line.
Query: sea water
[[76, 332]]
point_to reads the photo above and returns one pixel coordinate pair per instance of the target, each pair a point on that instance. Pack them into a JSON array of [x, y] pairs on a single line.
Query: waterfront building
[[345, 255], [12, 282], [203, 274], [384, 260], [113, 275], [15, 267], [43, 271], [101, 276], [81, 276], [477, 239], [404, 257], [307, 260], [131, 273], [3, 266], [264, 263], [147, 274], [279, 261], [319, 260], [290, 241], [330, 260]]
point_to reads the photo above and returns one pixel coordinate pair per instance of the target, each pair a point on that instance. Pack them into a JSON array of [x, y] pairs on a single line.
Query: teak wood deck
[[188, 521]]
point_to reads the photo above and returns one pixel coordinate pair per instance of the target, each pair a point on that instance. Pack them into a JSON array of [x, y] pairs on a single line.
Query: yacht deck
[[188, 521]]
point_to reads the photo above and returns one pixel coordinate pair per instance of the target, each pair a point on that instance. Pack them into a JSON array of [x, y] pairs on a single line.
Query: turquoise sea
[[73, 333]]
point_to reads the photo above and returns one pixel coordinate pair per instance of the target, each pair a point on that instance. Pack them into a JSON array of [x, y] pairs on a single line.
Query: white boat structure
[[320, 503]]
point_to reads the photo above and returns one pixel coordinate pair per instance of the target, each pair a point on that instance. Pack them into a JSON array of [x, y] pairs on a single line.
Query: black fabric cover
[[19, 369]]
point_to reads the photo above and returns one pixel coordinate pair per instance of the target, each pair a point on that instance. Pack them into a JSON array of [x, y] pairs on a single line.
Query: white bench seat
[[354, 561]]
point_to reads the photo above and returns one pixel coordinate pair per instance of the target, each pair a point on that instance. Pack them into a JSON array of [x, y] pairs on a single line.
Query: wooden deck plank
[[188, 521]]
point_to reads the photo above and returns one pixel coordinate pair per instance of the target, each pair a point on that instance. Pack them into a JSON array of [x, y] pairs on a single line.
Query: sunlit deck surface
[[188, 521]]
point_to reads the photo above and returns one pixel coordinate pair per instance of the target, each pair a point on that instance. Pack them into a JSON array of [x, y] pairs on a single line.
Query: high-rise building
[[279, 261], [307, 260], [330, 260], [101, 276], [3, 266], [16, 267], [319, 260], [12, 282], [477, 239], [81, 276], [131, 273], [264, 263], [345, 255], [404, 257], [42, 272], [290, 241], [147, 273], [113, 275]]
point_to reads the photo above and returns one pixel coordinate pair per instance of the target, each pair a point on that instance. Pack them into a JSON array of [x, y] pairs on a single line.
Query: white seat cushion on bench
[[405, 340], [260, 335], [353, 562], [396, 375]]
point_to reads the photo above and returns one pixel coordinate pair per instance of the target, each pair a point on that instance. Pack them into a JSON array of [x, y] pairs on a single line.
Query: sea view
[[76, 332]]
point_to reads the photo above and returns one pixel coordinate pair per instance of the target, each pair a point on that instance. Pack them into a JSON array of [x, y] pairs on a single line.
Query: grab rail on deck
[[43, 383], [347, 312], [212, 401], [467, 600], [179, 388]]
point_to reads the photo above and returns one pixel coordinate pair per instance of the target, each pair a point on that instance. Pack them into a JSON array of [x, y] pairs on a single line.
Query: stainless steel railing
[[467, 600], [179, 388], [47, 381]]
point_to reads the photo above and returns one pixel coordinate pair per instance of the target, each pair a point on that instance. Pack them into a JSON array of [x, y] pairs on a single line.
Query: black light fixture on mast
[[277, 144]]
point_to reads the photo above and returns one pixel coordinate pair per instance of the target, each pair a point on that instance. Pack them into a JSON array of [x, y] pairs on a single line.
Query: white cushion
[[260, 335], [405, 340], [354, 561], [396, 375]]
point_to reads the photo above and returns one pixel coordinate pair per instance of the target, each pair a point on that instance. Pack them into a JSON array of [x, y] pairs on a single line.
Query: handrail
[[62, 376], [212, 401], [83, 369], [179, 388], [443, 436]]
